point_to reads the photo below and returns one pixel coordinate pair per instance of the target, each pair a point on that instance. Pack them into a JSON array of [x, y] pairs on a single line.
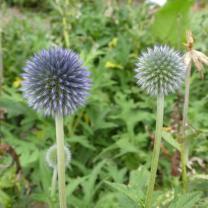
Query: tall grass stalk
[[65, 31]]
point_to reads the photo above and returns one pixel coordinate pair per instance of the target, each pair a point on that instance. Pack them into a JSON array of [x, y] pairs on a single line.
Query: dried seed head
[[198, 58], [51, 156], [55, 82], [160, 70]]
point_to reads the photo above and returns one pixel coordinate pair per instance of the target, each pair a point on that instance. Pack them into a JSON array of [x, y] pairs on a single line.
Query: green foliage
[[172, 21], [29, 3], [13, 35], [132, 194], [186, 200], [110, 137], [169, 139]]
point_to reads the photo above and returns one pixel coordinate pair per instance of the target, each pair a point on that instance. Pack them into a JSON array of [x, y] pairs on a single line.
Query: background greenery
[[111, 138]]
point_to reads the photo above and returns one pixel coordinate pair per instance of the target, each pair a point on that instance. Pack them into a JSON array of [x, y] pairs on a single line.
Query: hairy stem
[[156, 150], [184, 143], [1, 58], [61, 160]]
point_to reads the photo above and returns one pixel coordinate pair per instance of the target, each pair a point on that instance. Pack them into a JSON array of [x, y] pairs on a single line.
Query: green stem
[[1, 59], [65, 23], [183, 165], [65, 31], [184, 144], [156, 150], [60, 159], [53, 184]]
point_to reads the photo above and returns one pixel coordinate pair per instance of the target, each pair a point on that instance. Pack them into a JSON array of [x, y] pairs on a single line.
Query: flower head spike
[[160, 70], [51, 156], [55, 82]]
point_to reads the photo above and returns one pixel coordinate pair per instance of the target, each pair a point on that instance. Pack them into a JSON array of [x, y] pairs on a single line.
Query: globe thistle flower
[[160, 70], [55, 82], [51, 156]]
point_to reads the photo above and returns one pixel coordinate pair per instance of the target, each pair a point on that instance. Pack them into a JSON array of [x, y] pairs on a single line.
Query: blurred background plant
[[111, 139]]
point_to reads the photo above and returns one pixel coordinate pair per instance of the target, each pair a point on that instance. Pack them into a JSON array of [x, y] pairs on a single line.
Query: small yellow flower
[[112, 65], [113, 43], [167, 129], [17, 82]]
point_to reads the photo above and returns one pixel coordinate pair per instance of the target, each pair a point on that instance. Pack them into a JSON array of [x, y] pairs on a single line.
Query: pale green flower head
[[160, 70], [51, 156]]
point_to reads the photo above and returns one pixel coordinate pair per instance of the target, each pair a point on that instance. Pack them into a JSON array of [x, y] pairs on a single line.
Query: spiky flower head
[[51, 156], [55, 82], [160, 70]]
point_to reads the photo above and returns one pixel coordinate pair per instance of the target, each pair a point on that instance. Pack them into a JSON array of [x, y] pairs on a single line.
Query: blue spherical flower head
[[55, 82], [160, 70]]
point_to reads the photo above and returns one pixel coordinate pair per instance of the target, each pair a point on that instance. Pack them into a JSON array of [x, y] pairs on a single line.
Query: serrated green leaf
[[82, 140], [186, 201], [170, 140]]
